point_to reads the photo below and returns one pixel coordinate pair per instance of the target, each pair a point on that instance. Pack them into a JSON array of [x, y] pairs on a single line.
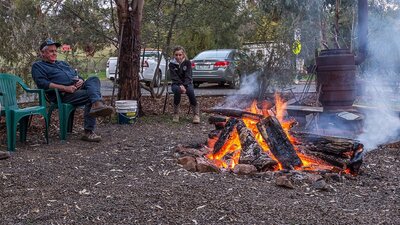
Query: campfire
[[259, 139]]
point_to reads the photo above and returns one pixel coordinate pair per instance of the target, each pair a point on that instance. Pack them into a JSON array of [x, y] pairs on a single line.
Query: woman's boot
[[196, 112], [175, 117]]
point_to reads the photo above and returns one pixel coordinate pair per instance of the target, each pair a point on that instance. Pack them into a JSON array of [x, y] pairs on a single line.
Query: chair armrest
[[42, 99], [58, 96]]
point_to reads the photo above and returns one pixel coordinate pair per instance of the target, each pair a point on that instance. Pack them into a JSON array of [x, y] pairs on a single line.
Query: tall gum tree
[[129, 19]]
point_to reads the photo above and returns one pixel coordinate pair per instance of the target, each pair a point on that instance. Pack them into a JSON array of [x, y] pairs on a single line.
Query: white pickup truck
[[147, 69]]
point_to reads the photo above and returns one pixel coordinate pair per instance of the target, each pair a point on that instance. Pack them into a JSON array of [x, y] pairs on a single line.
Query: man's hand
[[183, 89], [69, 89], [79, 83]]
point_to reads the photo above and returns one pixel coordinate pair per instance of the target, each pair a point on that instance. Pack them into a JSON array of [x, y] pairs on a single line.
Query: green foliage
[[19, 22], [199, 25], [82, 24], [87, 25], [25, 24]]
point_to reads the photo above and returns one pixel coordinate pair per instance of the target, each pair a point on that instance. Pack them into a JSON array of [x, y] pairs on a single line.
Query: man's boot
[[175, 117], [99, 109], [196, 112]]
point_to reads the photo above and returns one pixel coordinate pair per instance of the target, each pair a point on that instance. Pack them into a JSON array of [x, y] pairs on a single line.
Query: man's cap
[[48, 42]]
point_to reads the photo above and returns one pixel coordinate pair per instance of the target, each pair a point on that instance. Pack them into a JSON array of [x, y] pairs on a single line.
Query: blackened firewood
[[251, 152], [278, 142], [357, 159], [264, 163], [235, 113], [330, 159], [217, 119], [250, 147], [348, 155], [225, 134], [214, 134], [337, 146]]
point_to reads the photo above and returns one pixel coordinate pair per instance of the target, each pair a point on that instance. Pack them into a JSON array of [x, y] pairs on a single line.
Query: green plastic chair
[[66, 114], [14, 114]]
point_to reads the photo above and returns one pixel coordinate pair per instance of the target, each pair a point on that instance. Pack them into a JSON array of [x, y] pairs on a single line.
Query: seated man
[[51, 73]]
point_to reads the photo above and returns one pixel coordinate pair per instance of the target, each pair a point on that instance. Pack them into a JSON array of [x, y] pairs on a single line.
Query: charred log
[[265, 163], [331, 159], [341, 152], [357, 159], [236, 113], [250, 147], [225, 134], [278, 142], [218, 120], [337, 146], [252, 153], [214, 134]]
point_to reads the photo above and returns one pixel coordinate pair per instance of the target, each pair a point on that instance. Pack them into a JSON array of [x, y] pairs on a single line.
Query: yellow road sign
[[296, 48]]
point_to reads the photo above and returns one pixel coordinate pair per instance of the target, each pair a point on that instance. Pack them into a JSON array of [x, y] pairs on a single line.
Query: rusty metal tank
[[336, 70]]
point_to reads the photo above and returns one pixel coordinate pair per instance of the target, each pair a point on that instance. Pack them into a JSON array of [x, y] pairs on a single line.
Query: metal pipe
[[362, 31]]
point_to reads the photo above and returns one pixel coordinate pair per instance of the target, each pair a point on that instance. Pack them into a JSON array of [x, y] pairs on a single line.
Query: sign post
[[296, 49]]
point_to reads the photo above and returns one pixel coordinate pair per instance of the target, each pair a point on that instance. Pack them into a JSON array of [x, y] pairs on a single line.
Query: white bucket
[[126, 110]]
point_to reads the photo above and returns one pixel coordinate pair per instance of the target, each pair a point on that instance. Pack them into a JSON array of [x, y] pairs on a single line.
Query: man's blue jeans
[[86, 95], [189, 91]]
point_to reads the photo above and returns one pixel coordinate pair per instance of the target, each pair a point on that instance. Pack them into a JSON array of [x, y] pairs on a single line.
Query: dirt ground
[[132, 177]]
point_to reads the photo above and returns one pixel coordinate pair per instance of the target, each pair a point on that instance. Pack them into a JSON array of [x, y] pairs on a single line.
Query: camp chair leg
[[46, 132], [70, 121], [11, 136], [23, 127]]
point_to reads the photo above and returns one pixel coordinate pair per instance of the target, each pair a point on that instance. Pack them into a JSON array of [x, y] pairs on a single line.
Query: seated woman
[[180, 69]]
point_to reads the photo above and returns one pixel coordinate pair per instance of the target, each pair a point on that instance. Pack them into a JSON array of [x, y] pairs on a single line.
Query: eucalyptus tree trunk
[[129, 19]]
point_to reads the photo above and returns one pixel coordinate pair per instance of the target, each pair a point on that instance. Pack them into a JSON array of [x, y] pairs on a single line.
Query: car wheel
[[235, 83], [196, 84]]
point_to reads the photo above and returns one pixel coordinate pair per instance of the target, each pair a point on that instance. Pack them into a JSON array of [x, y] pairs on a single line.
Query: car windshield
[[150, 54], [213, 55]]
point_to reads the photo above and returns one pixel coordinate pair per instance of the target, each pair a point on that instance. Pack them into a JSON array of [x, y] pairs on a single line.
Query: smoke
[[248, 87], [381, 83]]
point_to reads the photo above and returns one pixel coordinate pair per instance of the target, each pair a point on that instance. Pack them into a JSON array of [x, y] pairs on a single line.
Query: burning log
[[250, 148], [331, 159], [341, 147], [218, 120], [278, 142], [225, 134], [251, 152], [341, 152], [214, 134], [265, 163], [236, 113]]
